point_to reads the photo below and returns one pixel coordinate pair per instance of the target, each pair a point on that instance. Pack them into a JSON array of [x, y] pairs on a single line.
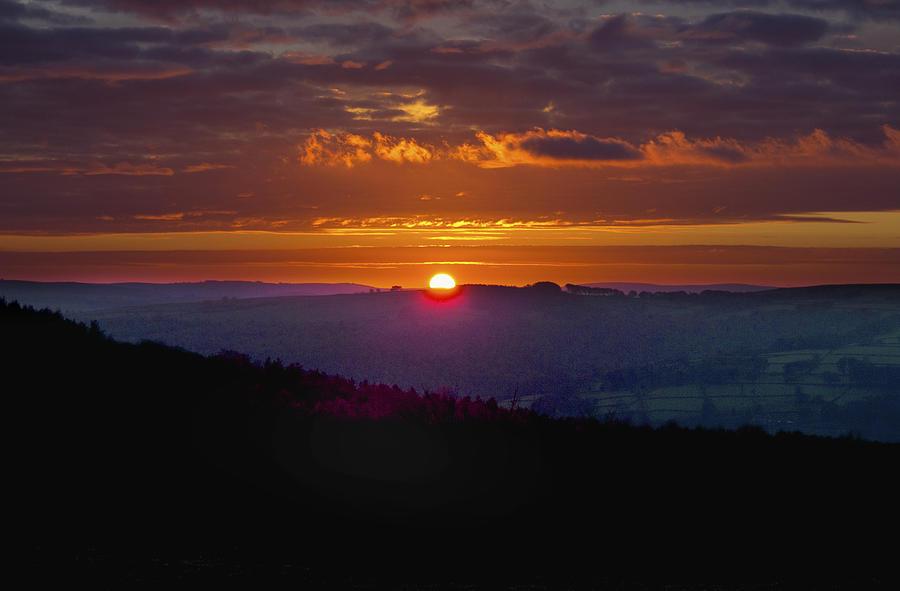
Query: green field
[[776, 399]]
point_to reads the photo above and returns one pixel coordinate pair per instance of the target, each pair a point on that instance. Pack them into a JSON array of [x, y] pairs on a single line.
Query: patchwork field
[[799, 389]]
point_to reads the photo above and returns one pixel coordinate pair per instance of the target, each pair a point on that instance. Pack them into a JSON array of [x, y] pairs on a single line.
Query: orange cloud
[[561, 148], [206, 166], [424, 222], [675, 148], [400, 149], [21, 169], [92, 72], [556, 148], [98, 168], [540, 147], [126, 168], [817, 148], [348, 149], [171, 217], [330, 149], [165, 217], [446, 49], [892, 143]]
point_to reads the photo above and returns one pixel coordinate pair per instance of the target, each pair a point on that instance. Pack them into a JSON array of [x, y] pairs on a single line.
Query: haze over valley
[[821, 360]]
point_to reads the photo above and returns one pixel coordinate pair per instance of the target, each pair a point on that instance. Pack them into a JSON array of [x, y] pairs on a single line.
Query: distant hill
[[76, 297], [821, 360], [654, 288]]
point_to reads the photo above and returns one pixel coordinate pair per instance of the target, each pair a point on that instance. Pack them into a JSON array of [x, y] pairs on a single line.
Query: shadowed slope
[[147, 451]]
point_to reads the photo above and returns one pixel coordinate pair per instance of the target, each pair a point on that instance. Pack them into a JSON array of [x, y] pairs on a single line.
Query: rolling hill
[[786, 359], [80, 297], [689, 288]]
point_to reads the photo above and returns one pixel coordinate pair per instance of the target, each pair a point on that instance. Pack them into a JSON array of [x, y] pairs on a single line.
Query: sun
[[442, 281]]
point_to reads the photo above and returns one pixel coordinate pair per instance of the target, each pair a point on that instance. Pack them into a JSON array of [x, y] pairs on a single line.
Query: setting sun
[[442, 281]]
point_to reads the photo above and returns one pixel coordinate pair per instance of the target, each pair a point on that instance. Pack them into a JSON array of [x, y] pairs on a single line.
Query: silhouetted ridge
[[144, 449], [73, 296]]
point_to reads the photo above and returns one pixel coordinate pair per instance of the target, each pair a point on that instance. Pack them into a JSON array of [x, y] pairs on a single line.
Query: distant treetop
[[546, 286]]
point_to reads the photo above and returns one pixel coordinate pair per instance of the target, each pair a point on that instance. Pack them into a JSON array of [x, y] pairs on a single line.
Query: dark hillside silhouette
[[144, 457]]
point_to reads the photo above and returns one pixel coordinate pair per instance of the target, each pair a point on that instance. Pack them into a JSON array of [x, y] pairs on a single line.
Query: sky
[[501, 141]]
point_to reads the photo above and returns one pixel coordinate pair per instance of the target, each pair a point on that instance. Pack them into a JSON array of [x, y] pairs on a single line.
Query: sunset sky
[[380, 142]]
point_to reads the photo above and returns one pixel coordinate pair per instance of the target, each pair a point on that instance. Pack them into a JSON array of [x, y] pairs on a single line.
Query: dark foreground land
[[143, 463]]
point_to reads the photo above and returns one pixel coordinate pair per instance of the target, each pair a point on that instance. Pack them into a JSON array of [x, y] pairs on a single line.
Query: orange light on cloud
[[675, 148], [206, 167], [569, 148], [400, 149], [95, 169], [129, 169], [92, 72], [348, 149]]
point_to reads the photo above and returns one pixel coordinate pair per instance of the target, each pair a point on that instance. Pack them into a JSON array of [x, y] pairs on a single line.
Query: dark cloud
[[23, 45], [346, 33], [867, 75], [786, 30], [872, 9], [737, 3], [169, 10], [618, 33], [516, 23], [10, 10], [724, 153], [572, 81], [588, 148], [417, 9], [869, 9]]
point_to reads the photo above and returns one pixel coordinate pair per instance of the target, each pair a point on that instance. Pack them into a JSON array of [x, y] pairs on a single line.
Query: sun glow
[[442, 281]]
